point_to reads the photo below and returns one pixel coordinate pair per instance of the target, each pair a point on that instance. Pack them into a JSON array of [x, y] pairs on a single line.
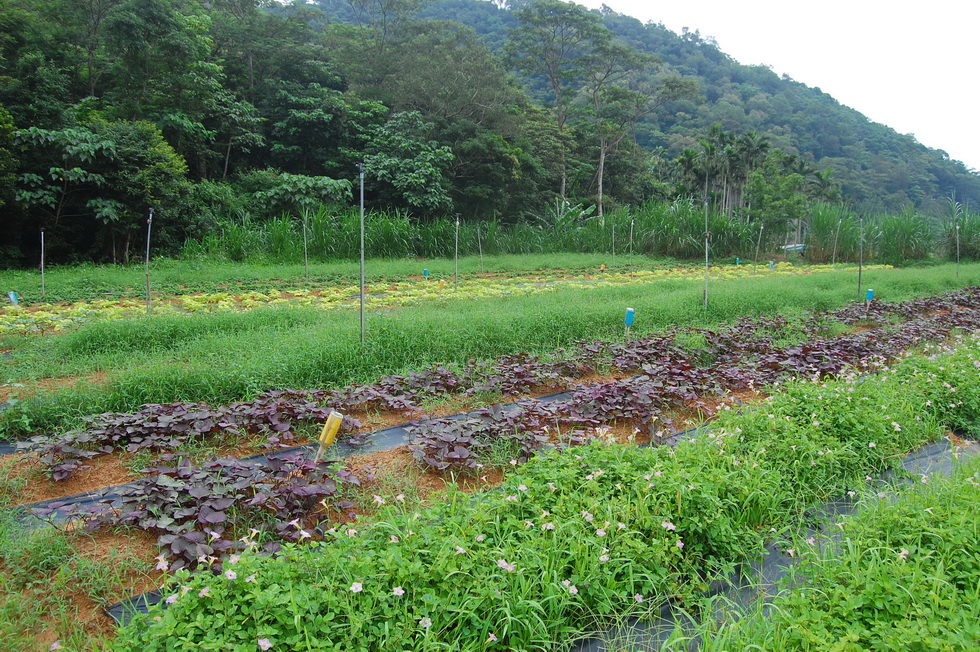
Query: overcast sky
[[911, 66]]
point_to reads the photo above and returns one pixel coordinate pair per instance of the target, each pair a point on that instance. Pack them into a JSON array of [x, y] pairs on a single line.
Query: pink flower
[[587, 516], [394, 539], [638, 597], [510, 568], [425, 622], [56, 645], [680, 544], [230, 574], [400, 498], [460, 550], [379, 500], [548, 526], [398, 591], [250, 578], [668, 525], [522, 487], [265, 643], [171, 599], [603, 557], [162, 564], [491, 638], [480, 538], [356, 587], [600, 532], [206, 591], [234, 559]]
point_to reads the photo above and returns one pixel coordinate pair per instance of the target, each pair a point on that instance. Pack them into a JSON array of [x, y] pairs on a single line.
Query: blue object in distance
[[629, 317], [871, 294], [12, 296], [425, 273]]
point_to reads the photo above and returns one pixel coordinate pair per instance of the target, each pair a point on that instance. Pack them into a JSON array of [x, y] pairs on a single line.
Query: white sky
[[909, 65]]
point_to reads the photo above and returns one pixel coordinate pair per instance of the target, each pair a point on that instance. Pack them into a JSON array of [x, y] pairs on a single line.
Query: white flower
[[425, 622], [356, 587], [398, 591]]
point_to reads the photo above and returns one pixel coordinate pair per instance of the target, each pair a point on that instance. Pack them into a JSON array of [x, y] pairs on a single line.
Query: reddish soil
[[33, 387], [131, 553]]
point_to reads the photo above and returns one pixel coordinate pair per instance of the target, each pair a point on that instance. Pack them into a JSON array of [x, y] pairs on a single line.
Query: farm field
[[680, 368], [338, 293], [119, 365]]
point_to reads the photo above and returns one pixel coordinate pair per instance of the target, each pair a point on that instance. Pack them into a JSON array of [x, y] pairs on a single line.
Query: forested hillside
[[239, 111]]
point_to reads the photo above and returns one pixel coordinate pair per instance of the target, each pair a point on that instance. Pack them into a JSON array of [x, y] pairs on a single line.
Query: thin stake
[[957, 251], [758, 243], [42, 263], [631, 248], [149, 225], [306, 255], [614, 242], [479, 244], [360, 167], [860, 255], [456, 275], [836, 235], [707, 236]]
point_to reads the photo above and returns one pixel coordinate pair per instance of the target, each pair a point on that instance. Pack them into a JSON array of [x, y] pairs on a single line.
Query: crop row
[[42, 318], [576, 536], [743, 355]]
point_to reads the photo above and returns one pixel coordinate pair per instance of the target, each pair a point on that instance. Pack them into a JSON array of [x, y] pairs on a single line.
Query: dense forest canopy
[[232, 110]]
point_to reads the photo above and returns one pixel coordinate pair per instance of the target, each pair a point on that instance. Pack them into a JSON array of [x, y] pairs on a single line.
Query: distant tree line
[[241, 111]]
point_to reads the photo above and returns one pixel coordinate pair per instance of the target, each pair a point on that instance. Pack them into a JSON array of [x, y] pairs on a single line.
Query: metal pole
[[860, 255], [836, 235], [707, 235], [149, 226], [957, 251], [42, 263], [479, 244], [306, 255], [360, 167], [631, 248], [456, 275]]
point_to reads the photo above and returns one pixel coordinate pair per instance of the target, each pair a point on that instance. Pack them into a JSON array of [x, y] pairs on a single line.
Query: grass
[[178, 276], [576, 537], [221, 358], [902, 577], [52, 579]]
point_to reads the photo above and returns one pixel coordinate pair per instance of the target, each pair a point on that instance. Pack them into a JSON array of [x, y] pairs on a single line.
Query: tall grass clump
[[904, 237], [677, 229], [832, 235]]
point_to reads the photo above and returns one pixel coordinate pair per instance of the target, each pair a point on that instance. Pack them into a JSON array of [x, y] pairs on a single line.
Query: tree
[[557, 39], [776, 195], [86, 185], [617, 82], [405, 167]]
